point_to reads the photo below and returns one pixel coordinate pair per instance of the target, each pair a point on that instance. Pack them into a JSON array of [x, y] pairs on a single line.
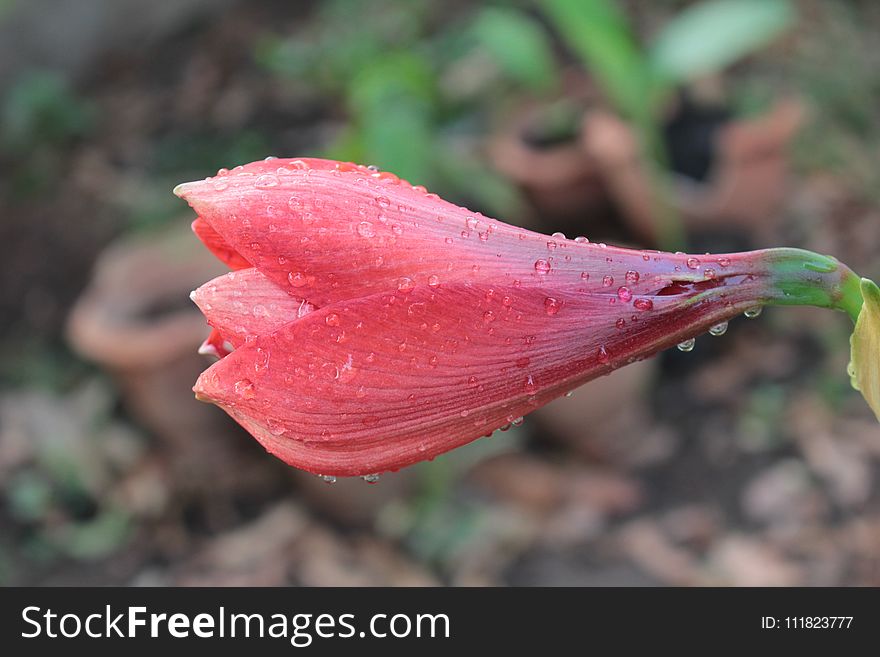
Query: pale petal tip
[[208, 349], [183, 189]]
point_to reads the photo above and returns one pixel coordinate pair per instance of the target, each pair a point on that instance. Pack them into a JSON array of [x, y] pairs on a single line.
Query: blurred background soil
[[747, 461]]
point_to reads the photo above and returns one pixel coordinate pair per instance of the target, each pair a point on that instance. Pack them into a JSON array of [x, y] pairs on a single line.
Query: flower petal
[[243, 304], [218, 246], [331, 231], [381, 382]]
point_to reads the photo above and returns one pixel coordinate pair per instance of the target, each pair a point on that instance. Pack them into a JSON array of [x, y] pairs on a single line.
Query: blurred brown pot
[[560, 179], [746, 183], [135, 319]]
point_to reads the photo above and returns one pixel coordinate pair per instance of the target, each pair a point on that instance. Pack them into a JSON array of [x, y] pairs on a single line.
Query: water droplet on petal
[[687, 345], [332, 319], [693, 263], [569, 393], [371, 478], [328, 479], [751, 313], [433, 280], [607, 280], [552, 305], [405, 284], [581, 240], [244, 389], [517, 421], [275, 427], [221, 184], [542, 266], [602, 354], [643, 304], [718, 329], [266, 181], [297, 279], [365, 229], [624, 294], [632, 277], [724, 262]]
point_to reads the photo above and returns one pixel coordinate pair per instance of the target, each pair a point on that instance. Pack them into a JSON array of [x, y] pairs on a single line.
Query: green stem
[[804, 278]]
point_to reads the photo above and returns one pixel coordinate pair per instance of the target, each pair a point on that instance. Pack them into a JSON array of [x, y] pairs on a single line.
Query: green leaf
[[519, 45], [864, 367], [709, 36], [600, 35], [392, 104]]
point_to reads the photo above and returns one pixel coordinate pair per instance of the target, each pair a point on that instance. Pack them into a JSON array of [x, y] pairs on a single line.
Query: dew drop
[[371, 478], [632, 277], [709, 273], [275, 427], [643, 304], [620, 323], [552, 305], [693, 263], [607, 280], [297, 279], [687, 345], [517, 421], [433, 280], [569, 393], [405, 284], [581, 240], [220, 185], [718, 329], [542, 266], [266, 181], [751, 313], [383, 201], [488, 317], [332, 319], [328, 479], [602, 354], [624, 294], [724, 262], [262, 360], [365, 229], [244, 389]]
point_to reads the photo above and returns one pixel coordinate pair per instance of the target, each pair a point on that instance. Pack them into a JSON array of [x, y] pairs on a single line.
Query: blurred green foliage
[[40, 115], [838, 70], [638, 81], [418, 98], [41, 110]]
